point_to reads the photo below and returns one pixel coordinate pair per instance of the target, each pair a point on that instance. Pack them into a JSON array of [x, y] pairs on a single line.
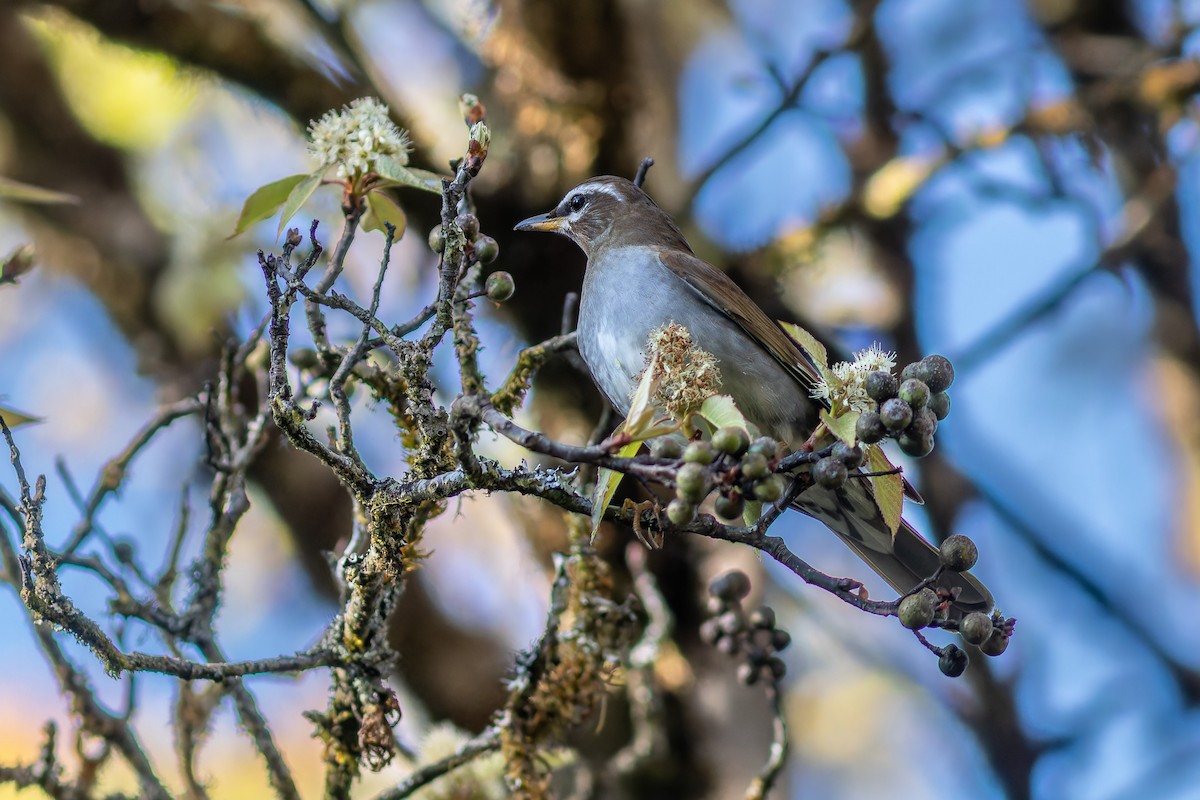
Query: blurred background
[[1012, 184]]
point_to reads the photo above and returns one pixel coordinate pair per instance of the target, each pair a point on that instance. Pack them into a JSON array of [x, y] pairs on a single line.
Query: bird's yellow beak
[[542, 222]]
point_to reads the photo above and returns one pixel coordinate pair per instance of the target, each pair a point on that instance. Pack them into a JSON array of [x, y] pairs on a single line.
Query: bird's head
[[608, 211]]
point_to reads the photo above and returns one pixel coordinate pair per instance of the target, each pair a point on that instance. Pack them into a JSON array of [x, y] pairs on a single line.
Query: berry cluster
[[926, 607], [752, 636], [480, 248], [908, 408], [731, 463]]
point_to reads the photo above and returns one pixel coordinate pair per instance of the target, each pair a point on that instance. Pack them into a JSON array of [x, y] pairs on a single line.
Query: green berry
[[486, 249], [914, 392], [881, 385], [437, 241], [852, 457], [500, 286], [953, 661], [691, 483], [958, 553], [896, 414], [699, 452], [680, 511], [755, 466], [731, 440], [765, 445], [770, 489], [829, 472], [939, 404], [975, 627], [666, 447], [870, 428], [916, 610]]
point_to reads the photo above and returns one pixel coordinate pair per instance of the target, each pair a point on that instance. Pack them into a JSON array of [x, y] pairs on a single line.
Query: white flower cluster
[[355, 137], [843, 384]]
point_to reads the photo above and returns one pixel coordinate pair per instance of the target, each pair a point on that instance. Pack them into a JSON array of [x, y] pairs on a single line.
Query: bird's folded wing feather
[[719, 291]]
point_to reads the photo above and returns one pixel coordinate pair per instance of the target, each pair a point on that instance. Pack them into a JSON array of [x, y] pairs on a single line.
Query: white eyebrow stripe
[[598, 187]]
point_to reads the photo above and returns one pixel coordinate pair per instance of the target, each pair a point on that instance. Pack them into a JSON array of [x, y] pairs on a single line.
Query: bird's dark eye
[[577, 202]]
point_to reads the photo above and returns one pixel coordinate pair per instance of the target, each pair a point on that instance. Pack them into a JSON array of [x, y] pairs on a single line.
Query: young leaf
[[394, 173], [28, 193], [842, 426], [380, 209], [889, 489], [606, 486], [18, 262], [13, 418], [265, 201], [721, 412], [808, 343], [297, 197], [751, 512]]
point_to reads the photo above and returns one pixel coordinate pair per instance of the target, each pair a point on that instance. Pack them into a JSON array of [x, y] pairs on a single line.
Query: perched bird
[[641, 274]]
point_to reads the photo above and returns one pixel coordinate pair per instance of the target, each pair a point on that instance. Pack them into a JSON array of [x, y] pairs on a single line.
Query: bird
[[641, 274]]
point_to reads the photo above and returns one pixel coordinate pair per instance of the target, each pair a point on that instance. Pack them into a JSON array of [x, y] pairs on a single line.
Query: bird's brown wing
[[720, 292]]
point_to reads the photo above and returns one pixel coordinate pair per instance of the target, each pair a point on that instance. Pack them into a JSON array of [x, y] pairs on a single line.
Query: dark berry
[[939, 404], [953, 661], [469, 224], [881, 385], [958, 553], [486, 249], [915, 446], [829, 472], [870, 428], [852, 457], [732, 585], [896, 414]]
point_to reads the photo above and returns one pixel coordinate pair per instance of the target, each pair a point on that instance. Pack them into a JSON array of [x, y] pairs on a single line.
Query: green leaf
[[721, 412], [842, 426], [394, 173], [28, 193], [13, 418], [18, 262], [606, 485], [889, 489], [297, 197], [265, 201], [382, 208], [751, 512], [808, 343]]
